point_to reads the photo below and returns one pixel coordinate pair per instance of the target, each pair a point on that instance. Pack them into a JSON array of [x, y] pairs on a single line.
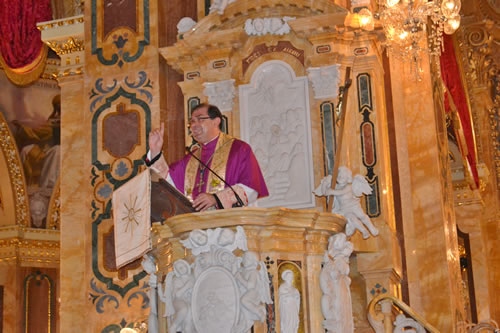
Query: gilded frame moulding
[[14, 165]]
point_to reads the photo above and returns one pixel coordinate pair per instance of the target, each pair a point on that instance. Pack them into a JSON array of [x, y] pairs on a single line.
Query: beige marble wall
[[10, 279]]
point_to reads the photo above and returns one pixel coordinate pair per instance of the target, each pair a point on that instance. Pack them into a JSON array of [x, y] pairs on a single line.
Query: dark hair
[[212, 111]]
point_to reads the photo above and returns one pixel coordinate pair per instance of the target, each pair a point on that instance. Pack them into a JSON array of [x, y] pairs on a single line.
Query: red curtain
[[20, 40], [450, 72]]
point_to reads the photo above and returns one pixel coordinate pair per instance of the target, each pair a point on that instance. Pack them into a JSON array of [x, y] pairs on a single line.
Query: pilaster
[[66, 38], [429, 228]]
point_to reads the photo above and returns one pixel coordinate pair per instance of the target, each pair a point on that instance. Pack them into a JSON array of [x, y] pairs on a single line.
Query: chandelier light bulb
[[366, 19], [450, 7], [391, 3], [451, 25]]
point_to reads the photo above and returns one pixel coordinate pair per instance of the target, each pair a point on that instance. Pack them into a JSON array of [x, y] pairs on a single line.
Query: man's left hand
[[204, 201]]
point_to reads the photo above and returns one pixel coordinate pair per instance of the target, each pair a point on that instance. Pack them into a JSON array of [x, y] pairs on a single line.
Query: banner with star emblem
[[131, 218]]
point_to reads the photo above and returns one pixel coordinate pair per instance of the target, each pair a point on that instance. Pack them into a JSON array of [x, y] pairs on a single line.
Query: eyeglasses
[[195, 120]]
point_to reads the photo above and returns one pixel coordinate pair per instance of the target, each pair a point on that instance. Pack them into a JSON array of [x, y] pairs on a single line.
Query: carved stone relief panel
[[275, 120]]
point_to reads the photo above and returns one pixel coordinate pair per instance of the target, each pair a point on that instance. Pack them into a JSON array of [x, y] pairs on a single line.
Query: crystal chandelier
[[406, 23]]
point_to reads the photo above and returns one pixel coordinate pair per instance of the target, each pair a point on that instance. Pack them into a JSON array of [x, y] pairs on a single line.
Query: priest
[[218, 172]]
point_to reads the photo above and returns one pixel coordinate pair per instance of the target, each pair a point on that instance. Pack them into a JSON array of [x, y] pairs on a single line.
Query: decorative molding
[[71, 45], [30, 247], [124, 38], [110, 104], [478, 67], [325, 81], [368, 142], [268, 25], [15, 172], [221, 94], [66, 38]]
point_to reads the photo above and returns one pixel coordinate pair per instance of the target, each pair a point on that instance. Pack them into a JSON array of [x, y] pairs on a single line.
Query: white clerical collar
[[208, 142]]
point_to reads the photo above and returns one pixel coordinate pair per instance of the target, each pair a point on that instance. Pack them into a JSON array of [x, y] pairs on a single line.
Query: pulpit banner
[[131, 218]]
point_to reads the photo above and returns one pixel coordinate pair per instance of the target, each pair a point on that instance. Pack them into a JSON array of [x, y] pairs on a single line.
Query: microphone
[[240, 202]]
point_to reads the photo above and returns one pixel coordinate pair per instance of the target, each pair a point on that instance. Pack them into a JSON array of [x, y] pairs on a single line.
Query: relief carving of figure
[[219, 291], [254, 286], [177, 297]]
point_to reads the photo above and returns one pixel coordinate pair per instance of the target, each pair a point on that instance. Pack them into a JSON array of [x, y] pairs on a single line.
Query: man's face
[[203, 129]]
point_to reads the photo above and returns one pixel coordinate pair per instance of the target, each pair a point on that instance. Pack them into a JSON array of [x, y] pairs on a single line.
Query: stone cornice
[[66, 38], [29, 247]]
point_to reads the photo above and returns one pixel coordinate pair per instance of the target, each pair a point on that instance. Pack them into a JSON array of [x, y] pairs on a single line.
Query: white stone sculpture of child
[[254, 285], [177, 297], [347, 193]]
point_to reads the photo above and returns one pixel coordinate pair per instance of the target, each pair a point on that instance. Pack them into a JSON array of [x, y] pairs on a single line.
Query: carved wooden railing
[[382, 310]]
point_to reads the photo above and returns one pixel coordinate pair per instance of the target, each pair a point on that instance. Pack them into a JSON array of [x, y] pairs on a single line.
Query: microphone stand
[[240, 202]]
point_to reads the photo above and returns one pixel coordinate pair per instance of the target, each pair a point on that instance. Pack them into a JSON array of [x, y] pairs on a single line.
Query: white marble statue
[[335, 284], [185, 24], [347, 193], [219, 6], [289, 298], [254, 286], [149, 265], [268, 25], [177, 297], [219, 291]]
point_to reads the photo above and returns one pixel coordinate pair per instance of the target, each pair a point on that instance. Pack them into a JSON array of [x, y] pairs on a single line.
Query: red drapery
[[450, 73], [21, 48]]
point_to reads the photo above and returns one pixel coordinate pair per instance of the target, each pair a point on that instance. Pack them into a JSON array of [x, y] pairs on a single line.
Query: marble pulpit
[[221, 271]]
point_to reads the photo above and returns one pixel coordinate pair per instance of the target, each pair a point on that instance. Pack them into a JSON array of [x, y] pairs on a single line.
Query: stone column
[[66, 38], [428, 219]]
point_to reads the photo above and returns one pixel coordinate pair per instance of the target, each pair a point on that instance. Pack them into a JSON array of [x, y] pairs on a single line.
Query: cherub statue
[[335, 282], [347, 193], [254, 286], [177, 297], [149, 265]]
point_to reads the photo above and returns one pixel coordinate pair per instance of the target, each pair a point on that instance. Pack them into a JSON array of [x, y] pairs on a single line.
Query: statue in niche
[[289, 298], [335, 284], [39, 203], [347, 193], [177, 297], [253, 282]]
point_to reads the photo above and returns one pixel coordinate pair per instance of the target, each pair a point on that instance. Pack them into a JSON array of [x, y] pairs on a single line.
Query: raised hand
[[156, 140]]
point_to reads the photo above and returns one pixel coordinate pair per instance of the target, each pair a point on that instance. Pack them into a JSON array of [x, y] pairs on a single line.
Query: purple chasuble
[[242, 168]]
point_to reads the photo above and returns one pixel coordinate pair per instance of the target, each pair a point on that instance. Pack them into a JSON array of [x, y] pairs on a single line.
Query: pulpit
[[223, 254]]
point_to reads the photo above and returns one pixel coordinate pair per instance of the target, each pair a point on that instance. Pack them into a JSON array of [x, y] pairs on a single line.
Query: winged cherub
[[346, 202]]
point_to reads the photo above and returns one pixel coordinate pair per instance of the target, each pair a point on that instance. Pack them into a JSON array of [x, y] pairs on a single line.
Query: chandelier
[[408, 23]]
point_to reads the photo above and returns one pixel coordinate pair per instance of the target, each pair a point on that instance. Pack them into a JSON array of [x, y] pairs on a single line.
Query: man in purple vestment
[[231, 159]]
